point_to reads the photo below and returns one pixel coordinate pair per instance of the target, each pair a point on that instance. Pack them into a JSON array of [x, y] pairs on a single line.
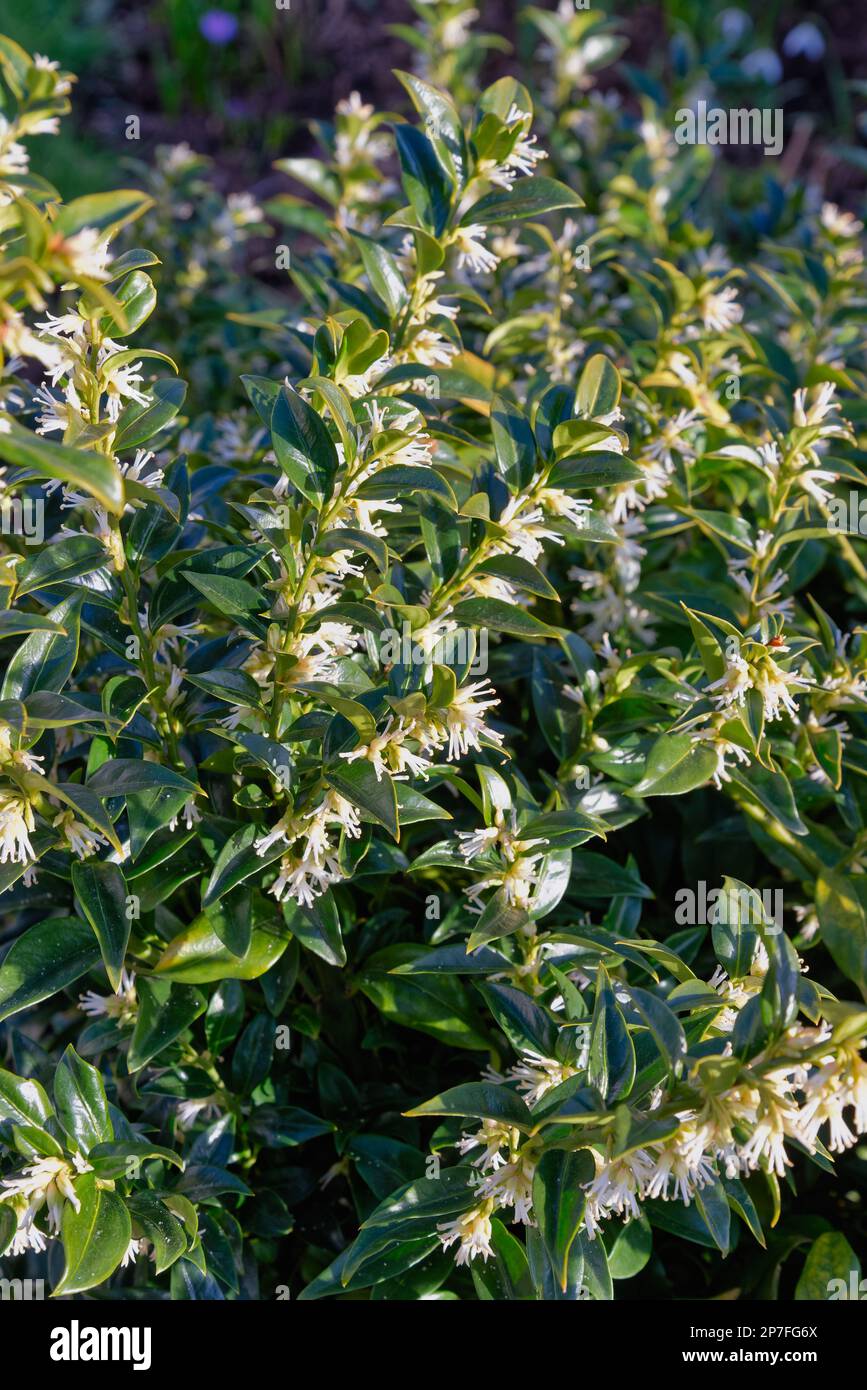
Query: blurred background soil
[[241, 80]]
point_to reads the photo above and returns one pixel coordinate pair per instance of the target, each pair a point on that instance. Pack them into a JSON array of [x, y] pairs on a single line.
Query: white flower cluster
[[310, 864], [516, 874], [783, 1097], [49, 1182], [760, 671], [94, 375]]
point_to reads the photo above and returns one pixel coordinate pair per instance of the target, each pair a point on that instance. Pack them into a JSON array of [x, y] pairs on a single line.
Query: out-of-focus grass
[[79, 35], [237, 87], [702, 16], [78, 32]]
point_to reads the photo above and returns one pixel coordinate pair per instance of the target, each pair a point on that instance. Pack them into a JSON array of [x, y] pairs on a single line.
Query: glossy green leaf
[[165, 1011], [44, 959], [82, 1107], [528, 197], [79, 469], [102, 892], [559, 1200], [95, 1237], [479, 1101]]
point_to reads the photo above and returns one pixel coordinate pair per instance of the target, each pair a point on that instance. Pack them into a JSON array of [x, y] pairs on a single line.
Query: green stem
[[148, 665]]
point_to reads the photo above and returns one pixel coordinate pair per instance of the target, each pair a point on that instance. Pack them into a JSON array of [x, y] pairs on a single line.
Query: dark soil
[[252, 102]]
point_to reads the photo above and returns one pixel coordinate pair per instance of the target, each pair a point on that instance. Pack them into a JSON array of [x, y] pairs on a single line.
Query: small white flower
[[475, 842], [492, 1138], [304, 878], [560, 503], [720, 310], [725, 750], [671, 437], [62, 85], [17, 757], [840, 223], [776, 1119], [174, 684], [354, 105], [472, 1230], [204, 1108], [48, 1182], [16, 826], [137, 1246], [734, 684], [616, 1188], [770, 456], [134, 471], [14, 158], [122, 1006], [523, 532], [472, 251], [454, 31], [681, 1163], [174, 158], [536, 1074], [57, 413], [86, 253], [822, 405], [27, 1236], [812, 480], [511, 1185], [80, 838], [775, 687], [122, 383], [466, 718], [387, 751], [190, 813], [431, 349]]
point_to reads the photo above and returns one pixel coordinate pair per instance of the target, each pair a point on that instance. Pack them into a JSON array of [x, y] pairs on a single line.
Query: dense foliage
[[433, 748]]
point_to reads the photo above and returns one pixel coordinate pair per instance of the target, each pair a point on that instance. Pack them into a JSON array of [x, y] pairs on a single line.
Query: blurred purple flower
[[218, 26], [804, 39], [764, 64]]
